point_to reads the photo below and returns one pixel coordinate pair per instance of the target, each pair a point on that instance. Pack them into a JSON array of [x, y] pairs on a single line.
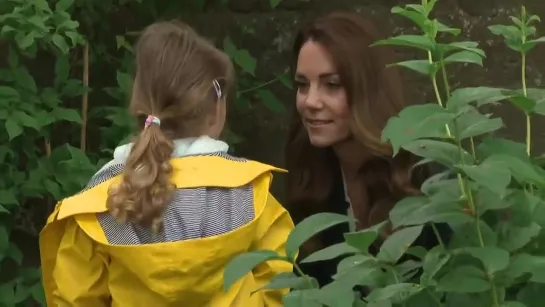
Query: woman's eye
[[333, 85], [300, 84]]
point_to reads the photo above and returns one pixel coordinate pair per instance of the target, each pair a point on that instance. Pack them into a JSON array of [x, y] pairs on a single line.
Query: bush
[[490, 195], [56, 129]]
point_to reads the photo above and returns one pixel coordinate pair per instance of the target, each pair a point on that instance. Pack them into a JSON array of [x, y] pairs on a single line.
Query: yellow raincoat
[[81, 269]]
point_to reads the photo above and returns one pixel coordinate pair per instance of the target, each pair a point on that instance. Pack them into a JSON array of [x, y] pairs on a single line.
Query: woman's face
[[321, 98]]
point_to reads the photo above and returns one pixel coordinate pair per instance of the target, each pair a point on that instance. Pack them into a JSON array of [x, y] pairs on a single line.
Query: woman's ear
[[217, 120]]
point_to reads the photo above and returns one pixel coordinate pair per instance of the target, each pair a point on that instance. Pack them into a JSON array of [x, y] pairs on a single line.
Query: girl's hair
[[176, 72], [374, 94]]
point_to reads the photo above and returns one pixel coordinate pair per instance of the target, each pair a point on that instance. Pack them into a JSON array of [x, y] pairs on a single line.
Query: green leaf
[[522, 169], [124, 81], [246, 61], [492, 173], [25, 41], [434, 261], [62, 69], [417, 17], [229, 47], [362, 240], [288, 280], [274, 3], [70, 115], [464, 57], [309, 227], [396, 293], [441, 152], [13, 57], [397, 244], [38, 293], [467, 46], [270, 101], [63, 5], [4, 239], [512, 304], [464, 279], [473, 123], [494, 259], [13, 128], [513, 237], [524, 103], [481, 95], [244, 264], [420, 66], [25, 120], [15, 254], [416, 122], [8, 197], [60, 42], [418, 210], [10, 93], [414, 41], [330, 252], [301, 298]]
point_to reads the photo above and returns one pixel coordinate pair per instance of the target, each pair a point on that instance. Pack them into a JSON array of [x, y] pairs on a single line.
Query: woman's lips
[[318, 122]]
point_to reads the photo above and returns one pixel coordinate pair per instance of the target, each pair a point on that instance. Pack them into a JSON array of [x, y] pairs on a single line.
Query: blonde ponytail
[[145, 188]]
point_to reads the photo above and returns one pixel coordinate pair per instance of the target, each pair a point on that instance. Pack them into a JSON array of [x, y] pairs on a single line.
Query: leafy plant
[[56, 127], [490, 195]]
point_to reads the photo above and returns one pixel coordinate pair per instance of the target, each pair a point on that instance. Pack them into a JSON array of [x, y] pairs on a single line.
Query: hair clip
[[217, 87], [152, 120]]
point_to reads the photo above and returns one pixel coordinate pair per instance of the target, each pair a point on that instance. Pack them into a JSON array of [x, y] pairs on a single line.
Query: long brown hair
[[176, 69], [374, 94]]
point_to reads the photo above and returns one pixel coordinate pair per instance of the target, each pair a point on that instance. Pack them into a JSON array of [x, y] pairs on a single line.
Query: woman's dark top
[[324, 270]]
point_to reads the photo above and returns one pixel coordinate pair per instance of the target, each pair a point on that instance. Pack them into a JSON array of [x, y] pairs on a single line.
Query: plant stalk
[[84, 99], [465, 189], [440, 102]]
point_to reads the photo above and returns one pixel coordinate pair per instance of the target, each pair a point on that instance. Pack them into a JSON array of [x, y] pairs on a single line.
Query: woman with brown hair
[[157, 225], [335, 157]]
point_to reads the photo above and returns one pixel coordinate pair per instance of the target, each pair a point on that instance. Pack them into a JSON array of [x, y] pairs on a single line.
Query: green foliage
[[490, 194], [55, 129]]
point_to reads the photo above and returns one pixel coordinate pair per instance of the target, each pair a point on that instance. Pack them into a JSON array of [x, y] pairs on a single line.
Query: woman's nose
[[313, 99]]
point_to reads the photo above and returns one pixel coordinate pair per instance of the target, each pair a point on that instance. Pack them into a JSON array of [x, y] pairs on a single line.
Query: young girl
[[157, 225]]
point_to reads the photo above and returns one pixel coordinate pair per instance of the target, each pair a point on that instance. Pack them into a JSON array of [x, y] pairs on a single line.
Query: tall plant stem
[[84, 99], [465, 189], [440, 102], [446, 87]]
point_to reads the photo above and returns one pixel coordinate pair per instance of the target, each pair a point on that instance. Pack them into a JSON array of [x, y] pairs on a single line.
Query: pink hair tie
[[152, 120]]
